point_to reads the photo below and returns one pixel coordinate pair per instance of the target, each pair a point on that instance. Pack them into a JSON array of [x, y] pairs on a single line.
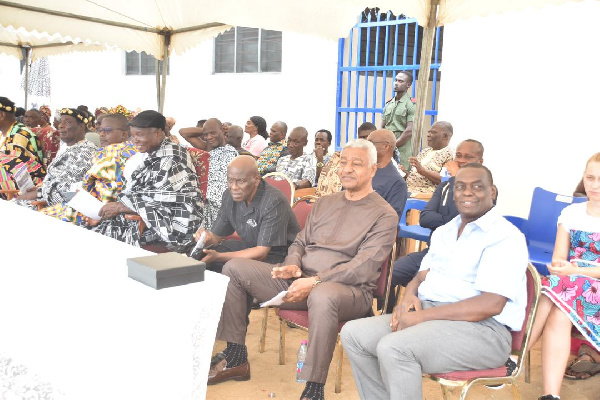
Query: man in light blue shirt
[[458, 312]]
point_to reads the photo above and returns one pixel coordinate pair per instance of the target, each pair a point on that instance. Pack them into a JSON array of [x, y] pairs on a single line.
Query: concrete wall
[[302, 94], [525, 85]]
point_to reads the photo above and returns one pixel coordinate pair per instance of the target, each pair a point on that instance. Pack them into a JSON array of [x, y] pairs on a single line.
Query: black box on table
[[165, 270]]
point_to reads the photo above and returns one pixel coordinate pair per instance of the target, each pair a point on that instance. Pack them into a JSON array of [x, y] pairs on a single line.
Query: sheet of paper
[[590, 262], [275, 301], [23, 179], [86, 204]]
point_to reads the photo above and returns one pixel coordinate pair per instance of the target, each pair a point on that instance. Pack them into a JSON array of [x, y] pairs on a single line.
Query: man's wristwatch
[[320, 164]]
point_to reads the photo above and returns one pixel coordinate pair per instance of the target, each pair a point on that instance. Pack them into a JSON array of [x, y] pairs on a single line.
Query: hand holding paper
[[86, 204]]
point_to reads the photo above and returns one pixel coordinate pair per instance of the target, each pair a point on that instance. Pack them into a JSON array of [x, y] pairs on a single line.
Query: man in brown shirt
[[331, 270]]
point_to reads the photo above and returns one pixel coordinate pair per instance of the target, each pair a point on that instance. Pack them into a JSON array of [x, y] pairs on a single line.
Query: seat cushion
[[467, 375]]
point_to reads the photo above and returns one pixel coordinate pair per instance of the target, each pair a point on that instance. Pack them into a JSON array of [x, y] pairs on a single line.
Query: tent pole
[[165, 66], [157, 74], [423, 81], [27, 54]]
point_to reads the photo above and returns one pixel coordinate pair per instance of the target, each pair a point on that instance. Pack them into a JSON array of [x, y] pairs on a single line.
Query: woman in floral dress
[[571, 294]]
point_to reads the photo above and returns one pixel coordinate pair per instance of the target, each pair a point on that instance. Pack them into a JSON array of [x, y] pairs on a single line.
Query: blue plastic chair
[[416, 232], [540, 227]]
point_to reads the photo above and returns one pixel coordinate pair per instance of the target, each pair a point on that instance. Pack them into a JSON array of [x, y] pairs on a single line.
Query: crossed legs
[[556, 344]]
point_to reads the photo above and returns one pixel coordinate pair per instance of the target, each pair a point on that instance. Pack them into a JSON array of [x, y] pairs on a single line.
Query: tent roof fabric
[[12, 40], [141, 25]]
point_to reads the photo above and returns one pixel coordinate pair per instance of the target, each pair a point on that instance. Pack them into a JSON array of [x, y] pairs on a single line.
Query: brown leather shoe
[[219, 372]]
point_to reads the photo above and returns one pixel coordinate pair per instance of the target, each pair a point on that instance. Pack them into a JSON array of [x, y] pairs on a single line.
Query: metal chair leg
[[446, 391], [263, 331], [282, 324], [338, 373], [527, 365]]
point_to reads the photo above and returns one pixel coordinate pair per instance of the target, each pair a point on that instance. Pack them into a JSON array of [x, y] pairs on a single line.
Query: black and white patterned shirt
[[303, 167], [217, 181]]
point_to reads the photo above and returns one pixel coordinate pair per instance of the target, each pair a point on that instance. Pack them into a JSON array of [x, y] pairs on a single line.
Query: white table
[[72, 318]]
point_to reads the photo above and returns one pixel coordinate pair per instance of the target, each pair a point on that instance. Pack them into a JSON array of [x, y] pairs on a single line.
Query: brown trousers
[[327, 304]]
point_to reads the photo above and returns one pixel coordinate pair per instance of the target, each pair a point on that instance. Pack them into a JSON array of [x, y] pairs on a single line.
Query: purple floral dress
[[579, 296]]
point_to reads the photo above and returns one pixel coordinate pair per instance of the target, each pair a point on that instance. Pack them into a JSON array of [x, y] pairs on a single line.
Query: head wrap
[[7, 106], [79, 115], [101, 110], [121, 110], [149, 119], [46, 113]]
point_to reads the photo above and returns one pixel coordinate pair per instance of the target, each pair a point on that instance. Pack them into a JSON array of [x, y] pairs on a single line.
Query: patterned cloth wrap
[[579, 296], [164, 192], [68, 168], [9, 163], [50, 142], [269, 156], [201, 160], [104, 180]]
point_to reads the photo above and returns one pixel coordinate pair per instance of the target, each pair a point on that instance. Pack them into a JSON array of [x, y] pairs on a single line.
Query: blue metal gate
[[378, 47]]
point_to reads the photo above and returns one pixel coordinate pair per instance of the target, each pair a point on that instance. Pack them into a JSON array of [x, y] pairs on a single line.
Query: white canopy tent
[[162, 27], [30, 46]]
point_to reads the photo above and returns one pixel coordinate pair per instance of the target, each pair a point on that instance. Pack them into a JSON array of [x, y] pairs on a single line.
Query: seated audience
[[425, 169], [330, 270], [256, 128], [104, 180], [39, 123], [320, 153], [364, 130], [259, 213], [69, 166], [571, 294], [458, 312], [16, 139], [161, 187], [440, 209], [276, 148], [388, 182], [194, 135], [234, 135], [329, 181], [221, 154], [297, 166]]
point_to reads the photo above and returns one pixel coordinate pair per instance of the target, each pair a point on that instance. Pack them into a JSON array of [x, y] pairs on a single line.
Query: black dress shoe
[[549, 397]]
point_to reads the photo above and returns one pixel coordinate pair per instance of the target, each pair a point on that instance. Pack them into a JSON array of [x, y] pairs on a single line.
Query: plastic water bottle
[[301, 358]]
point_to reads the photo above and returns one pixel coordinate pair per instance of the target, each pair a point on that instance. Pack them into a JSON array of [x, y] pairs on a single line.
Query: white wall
[[302, 94], [525, 84]]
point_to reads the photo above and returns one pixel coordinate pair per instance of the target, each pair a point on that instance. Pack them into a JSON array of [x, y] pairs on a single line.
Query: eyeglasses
[[108, 130]]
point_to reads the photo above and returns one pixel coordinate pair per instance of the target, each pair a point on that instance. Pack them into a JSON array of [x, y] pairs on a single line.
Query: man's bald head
[[244, 163], [243, 178], [297, 140], [384, 141], [235, 134]]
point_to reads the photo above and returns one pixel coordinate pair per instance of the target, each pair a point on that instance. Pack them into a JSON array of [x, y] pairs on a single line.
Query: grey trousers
[[327, 304], [389, 365]]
